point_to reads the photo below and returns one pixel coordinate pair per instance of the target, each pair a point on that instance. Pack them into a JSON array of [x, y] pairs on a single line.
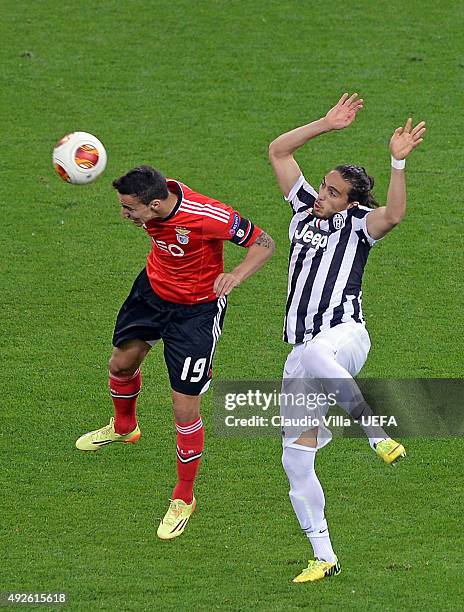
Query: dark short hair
[[361, 185], [144, 182]]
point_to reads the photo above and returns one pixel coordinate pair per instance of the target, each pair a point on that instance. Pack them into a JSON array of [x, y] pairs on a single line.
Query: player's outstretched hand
[[406, 138], [344, 112], [224, 284]]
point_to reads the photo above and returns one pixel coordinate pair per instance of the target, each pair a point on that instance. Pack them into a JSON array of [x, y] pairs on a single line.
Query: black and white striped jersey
[[327, 259]]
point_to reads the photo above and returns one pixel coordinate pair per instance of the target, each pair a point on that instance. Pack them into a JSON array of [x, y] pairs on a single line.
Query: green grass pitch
[[199, 89]]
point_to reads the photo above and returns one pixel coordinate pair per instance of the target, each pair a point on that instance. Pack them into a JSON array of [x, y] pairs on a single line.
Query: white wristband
[[398, 164]]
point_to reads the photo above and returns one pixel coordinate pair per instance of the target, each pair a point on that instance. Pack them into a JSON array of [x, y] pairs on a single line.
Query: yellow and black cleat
[[317, 570], [390, 451], [94, 440], [176, 518]]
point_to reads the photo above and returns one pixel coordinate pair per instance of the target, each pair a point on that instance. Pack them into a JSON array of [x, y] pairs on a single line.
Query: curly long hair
[[361, 185]]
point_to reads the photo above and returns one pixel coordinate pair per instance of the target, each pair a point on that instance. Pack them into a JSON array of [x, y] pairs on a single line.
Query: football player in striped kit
[[179, 297], [331, 232]]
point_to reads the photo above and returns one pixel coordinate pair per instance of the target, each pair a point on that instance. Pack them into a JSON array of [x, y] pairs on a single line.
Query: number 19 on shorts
[[193, 372]]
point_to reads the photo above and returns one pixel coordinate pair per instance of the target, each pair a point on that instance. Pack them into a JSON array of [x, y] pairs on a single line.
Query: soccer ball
[[79, 158]]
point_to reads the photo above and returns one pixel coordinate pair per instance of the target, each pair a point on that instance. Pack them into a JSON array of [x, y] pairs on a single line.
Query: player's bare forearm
[[384, 219], [395, 208], [402, 143], [257, 255], [281, 150], [286, 144], [259, 252]]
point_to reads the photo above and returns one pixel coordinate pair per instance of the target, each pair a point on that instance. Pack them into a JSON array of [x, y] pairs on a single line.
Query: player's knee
[[295, 467], [287, 464], [186, 407], [126, 359], [121, 367]]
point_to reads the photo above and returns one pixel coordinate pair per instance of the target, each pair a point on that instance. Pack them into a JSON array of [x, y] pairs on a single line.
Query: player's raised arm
[[403, 142], [281, 150]]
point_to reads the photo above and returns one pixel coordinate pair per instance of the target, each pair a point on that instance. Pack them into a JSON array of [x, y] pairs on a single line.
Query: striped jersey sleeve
[[359, 219], [301, 196], [228, 224]]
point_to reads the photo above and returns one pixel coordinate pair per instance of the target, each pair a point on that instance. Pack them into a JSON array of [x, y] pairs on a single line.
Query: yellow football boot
[[317, 570], [94, 440], [390, 451], [176, 518]]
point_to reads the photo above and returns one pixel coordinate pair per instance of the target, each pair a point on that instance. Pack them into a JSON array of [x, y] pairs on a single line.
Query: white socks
[[307, 499]]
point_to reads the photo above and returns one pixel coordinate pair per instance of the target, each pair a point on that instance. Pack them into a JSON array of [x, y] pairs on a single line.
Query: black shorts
[[189, 333]]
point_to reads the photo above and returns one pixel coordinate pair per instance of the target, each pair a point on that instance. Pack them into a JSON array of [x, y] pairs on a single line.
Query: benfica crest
[[182, 235]]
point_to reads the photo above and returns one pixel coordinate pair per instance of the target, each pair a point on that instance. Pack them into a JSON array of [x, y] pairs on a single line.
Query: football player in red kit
[[180, 297]]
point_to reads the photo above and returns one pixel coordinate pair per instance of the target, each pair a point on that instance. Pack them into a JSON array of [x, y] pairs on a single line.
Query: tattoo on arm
[[265, 240]]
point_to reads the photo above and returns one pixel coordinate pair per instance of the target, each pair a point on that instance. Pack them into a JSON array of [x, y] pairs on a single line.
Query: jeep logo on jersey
[[174, 249], [312, 237], [338, 221]]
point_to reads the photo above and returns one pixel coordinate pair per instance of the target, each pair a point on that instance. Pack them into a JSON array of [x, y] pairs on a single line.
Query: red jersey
[[187, 245]]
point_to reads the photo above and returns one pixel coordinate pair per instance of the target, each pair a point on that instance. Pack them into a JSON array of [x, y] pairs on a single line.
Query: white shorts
[[346, 345]]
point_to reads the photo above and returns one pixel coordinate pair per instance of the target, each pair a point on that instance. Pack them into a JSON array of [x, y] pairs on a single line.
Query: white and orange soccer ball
[[79, 158]]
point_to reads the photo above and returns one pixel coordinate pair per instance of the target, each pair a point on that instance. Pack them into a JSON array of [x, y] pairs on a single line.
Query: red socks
[[190, 436], [124, 392], [190, 443]]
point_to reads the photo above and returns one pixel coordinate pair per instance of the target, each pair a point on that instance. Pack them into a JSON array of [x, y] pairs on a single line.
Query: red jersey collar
[[174, 187]]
